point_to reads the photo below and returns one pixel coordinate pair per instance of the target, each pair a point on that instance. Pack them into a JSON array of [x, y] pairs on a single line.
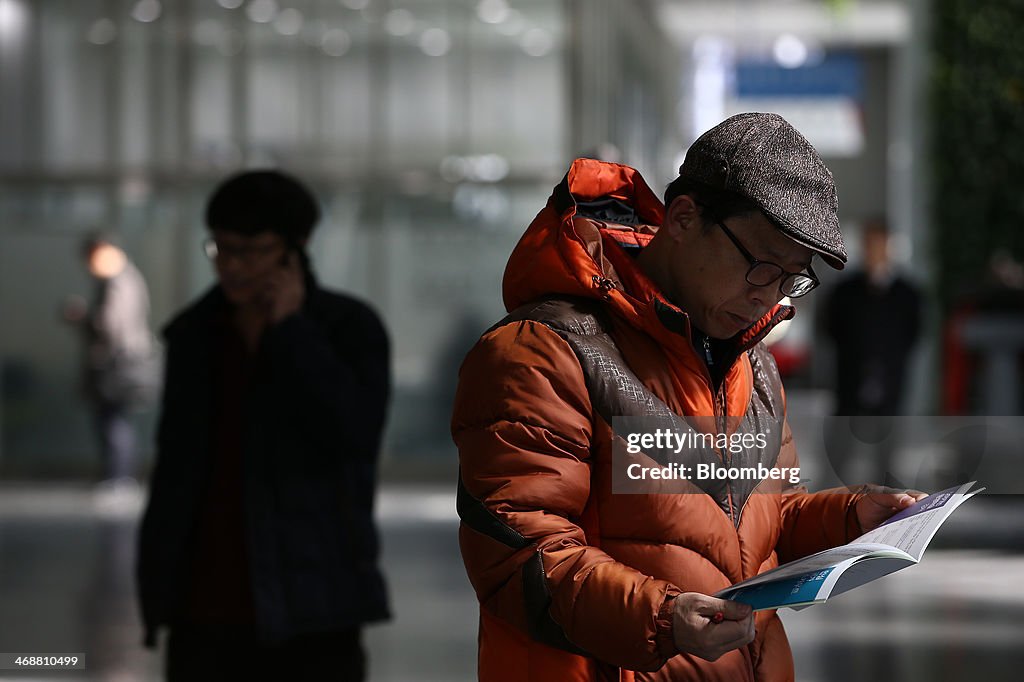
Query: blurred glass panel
[[431, 131]]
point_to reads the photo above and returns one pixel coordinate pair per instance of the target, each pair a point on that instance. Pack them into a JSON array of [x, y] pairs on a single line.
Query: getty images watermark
[[670, 454], [677, 442]]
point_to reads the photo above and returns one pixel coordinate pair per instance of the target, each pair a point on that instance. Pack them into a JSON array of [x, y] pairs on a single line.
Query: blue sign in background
[[838, 75]]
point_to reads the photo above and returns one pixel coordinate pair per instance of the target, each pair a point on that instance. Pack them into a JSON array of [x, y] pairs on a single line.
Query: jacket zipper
[[604, 285], [721, 419], [720, 408]]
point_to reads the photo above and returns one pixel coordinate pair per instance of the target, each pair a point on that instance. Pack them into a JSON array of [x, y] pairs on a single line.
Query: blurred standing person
[[874, 319], [119, 368], [258, 549], [1000, 296]]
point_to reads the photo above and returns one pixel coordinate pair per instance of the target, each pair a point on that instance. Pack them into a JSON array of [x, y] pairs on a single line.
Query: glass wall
[[431, 130]]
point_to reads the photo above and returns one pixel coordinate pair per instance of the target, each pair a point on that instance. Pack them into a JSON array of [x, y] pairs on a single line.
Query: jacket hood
[[579, 244], [561, 252]]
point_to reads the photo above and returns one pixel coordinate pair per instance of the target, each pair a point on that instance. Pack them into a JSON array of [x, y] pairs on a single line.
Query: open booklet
[[897, 543]]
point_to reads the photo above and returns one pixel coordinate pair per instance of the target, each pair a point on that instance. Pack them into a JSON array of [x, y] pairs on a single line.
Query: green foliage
[[978, 136], [838, 6]]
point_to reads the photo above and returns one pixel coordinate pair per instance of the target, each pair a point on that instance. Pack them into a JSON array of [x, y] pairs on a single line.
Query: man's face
[[876, 249], [244, 262], [105, 261], [707, 271]]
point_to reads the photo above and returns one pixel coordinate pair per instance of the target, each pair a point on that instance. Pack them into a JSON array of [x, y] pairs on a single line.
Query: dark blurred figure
[[983, 352], [120, 369], [874, 318], [983, 367], [258, 548]]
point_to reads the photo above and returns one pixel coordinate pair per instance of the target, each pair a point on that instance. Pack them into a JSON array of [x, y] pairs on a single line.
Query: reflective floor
[[65, 586]]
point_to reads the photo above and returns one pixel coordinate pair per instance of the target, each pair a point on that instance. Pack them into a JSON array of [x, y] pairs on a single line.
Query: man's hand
[[284, 290], [697, 633], [880, 503]]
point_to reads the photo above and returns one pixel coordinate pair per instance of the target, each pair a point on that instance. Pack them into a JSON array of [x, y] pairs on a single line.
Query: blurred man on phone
[[258, 549]]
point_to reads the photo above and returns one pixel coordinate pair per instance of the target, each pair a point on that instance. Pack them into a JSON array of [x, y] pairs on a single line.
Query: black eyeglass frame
[[786, 286], [213, 250]]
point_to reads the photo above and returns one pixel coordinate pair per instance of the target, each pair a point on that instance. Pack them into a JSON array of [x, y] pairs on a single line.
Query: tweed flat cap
[[764, 158]]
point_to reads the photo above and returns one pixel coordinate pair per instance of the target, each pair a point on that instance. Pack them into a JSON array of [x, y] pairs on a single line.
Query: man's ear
[[682, 215]]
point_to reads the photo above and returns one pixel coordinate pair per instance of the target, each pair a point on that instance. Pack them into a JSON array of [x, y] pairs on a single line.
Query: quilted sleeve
[[523, 426]]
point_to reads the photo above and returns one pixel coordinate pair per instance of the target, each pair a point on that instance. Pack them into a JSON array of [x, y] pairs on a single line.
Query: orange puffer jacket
[[576, 582]]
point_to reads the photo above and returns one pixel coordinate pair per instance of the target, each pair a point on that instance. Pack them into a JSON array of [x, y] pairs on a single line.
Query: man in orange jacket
[[622, 307]]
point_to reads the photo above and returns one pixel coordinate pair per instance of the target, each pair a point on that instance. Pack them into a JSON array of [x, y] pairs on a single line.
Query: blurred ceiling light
[[336, 42], [230, 4], [12, 15], [435, 42], [207, 32], [399, 22], [146, 11], [289, 22], [790, 52], [484, 204], [537, 42], [355, 4], [487, 168], [710, 47], [477, 168], [13, 21], [102, 32], [492, 11], [513, 24], [712, 83], [262, 11]]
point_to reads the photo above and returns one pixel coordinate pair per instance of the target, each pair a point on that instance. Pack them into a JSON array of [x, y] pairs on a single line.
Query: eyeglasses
[[247, 254], [763, 273]]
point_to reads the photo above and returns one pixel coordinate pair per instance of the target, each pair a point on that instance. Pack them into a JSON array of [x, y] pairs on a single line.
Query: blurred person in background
[[983, 358], [621, 306], [998, 296], [258, 548], [873, 318], [120, 367]]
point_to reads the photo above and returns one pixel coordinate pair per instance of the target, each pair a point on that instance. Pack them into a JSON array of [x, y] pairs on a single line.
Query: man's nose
[[765, 296], [228, 262]]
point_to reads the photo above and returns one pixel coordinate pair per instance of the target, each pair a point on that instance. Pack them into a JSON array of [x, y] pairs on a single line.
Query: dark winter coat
[[874, 329], [313, 422]]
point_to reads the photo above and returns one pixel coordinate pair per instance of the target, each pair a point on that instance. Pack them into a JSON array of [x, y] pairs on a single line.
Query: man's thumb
[[734, 610]]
